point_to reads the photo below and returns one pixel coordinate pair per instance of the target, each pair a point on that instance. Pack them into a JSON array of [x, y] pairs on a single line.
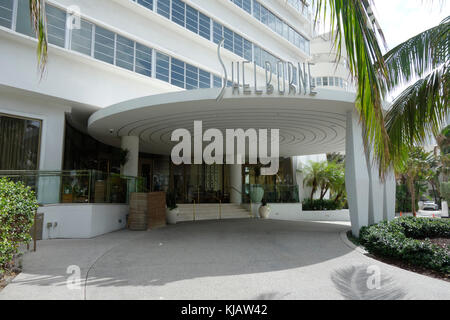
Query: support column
[[389, 197], [376, 191], [131, 143], [356, 174], [236, 183]]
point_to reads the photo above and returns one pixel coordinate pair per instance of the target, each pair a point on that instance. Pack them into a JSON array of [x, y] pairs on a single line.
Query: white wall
[[82, 220]]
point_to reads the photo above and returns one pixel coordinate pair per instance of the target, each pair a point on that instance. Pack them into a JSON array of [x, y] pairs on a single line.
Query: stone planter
[[172, 215], [264, 212]]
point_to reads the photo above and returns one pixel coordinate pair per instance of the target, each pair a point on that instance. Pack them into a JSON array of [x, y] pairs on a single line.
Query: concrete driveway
[[229, 259]]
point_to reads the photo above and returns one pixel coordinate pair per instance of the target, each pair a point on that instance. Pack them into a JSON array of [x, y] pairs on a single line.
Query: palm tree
[[422, 108], [314, 176]]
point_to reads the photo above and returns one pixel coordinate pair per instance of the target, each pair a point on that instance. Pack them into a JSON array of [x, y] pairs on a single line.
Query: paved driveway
[[230, 259]]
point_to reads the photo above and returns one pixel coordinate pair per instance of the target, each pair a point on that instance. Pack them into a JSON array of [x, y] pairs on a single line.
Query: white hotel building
[[123, 74]]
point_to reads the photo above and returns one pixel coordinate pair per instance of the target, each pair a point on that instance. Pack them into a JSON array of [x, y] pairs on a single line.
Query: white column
[[356, 174], [376, 191], [236, 183], [131, 143], [389, 197]]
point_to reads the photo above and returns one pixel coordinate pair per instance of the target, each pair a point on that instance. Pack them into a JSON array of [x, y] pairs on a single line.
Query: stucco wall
[[82, 220]]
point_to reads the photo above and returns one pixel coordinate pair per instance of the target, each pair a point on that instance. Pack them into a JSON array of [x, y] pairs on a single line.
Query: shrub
[[403, 239], [17, 206], [319, 205]]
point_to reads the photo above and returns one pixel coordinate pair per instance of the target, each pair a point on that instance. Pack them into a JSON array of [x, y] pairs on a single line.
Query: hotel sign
[[284, 81]]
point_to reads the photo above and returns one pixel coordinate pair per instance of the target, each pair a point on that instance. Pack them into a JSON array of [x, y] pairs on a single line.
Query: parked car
[[430, 205]]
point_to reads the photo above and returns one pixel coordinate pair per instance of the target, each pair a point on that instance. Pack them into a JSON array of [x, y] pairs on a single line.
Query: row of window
[[330, 81], [195, 21], [107, 46], [267, 17]]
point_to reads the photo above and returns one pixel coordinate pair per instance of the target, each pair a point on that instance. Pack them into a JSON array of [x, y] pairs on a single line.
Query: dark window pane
[[217, 82], [191, 19], [164, 8], [146, 3], [19, 143], [191, 77], [178, 12], [177, 73], [248, 50], [247, 5], [204, 79], [228, 35], [143, 60], [217, 32], [205, 26], [256, 10], [56, 26], [125, 53], [82, 38], [238, 45], [6, 12], [23, 19], [104, 45], [162, 67]]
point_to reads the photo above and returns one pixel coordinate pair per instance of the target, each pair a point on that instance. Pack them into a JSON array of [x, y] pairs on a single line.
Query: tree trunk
[[413, 197]]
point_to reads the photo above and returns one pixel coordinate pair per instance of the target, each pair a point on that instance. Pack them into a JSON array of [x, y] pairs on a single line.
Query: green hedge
[[407, 239], [17, 206], [319, 205]]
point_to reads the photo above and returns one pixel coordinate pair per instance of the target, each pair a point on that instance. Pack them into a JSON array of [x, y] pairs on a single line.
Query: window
[[164, 8], [325, 81], [331, 81], [162, 67], [271, 21], [191, 77], [178, 12], [204, 79], [217, 82], [204, 26], [336, 81], [217, 32], [256, 10], [248, 54], [238, 43], [177, 73], [264, 15], [146, 3], [341, 83], [258, 56], [125, 53], [81, 40], [56, 26], [319, 82], [104, 45], [247, 5], [19, 143], [279, 26], [23, 19], [143, 60], [228, 35], [6, 13], [191, 19]]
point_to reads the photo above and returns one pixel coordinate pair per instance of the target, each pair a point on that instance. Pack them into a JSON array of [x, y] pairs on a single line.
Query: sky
[[403, 19]]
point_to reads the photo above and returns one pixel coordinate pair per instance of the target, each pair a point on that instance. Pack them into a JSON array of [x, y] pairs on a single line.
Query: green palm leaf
[[39, 23]]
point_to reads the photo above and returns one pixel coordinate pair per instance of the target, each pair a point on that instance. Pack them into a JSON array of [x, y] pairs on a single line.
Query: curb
[[351, 245]]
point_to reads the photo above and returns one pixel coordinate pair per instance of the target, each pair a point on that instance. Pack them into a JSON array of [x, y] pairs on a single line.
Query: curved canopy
[[308, 124]]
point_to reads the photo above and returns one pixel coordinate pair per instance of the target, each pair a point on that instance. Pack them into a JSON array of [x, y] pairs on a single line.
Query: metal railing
[[77, 186]]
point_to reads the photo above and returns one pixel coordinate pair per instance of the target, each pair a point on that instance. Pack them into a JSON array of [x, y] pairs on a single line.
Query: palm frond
[[353, 27], [419, 55], [39, 23], [419, 111]]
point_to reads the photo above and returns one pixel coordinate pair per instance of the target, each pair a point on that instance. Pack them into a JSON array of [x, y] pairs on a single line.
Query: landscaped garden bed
[[418, 244]]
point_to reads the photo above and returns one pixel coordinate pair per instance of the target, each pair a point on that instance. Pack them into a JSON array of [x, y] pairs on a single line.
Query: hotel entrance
[[191, 183]]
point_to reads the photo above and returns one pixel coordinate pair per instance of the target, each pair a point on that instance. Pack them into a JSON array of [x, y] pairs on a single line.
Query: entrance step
[[211, 211]]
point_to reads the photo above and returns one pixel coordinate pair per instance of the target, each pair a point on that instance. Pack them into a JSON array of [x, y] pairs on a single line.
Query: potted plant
[[256, 191], [264, 210], [172, 208]]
